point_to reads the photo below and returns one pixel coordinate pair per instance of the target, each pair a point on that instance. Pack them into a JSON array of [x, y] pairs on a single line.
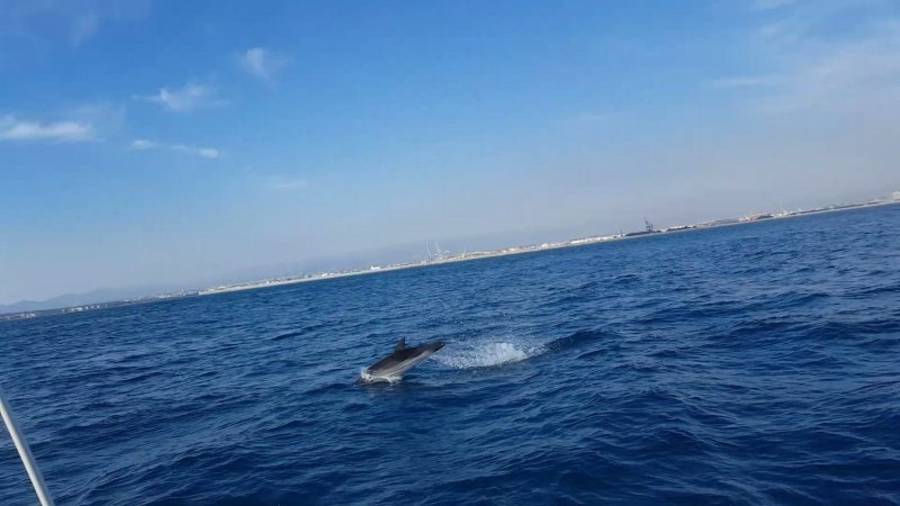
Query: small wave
[[625, 280], [576, 340], [286, 335], [489, 355]]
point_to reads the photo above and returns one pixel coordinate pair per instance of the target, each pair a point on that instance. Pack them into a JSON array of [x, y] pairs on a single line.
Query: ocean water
[[754, 364]]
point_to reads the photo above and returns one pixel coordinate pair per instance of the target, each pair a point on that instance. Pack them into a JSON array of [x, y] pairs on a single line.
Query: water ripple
[[742, 365]]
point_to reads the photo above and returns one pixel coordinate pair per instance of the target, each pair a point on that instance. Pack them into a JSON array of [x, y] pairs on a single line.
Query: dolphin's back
[[397, 357]]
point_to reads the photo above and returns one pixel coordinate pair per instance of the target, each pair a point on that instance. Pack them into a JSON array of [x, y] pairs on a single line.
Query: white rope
[[40, 488]]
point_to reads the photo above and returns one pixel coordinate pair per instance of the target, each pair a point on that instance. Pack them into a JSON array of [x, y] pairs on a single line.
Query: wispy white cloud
[[187, 98], [142, 144], [13, 129], [203, 152], [106, 118], [857, 69], [789, 25], [207, 152], [75, 21], [262, 63], [83, 27]]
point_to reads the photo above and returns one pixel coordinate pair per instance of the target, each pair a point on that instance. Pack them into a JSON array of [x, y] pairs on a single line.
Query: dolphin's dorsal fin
[[401, 344]]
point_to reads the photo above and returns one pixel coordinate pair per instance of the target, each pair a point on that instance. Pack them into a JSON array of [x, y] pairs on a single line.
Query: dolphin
[[404, 358]]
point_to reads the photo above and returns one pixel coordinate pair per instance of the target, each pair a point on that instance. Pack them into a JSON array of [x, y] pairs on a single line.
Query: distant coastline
[[447, 258]]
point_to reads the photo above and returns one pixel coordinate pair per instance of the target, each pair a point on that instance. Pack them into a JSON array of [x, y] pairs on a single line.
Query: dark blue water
[[746, 365]]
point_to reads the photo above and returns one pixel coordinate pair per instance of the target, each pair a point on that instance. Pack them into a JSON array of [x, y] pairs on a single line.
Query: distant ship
[[649, 229]]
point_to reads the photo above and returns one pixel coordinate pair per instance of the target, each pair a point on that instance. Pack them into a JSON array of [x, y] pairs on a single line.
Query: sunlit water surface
[[749, 365]]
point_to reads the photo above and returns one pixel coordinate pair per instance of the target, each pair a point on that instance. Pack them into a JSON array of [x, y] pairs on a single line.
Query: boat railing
[[34, 473]]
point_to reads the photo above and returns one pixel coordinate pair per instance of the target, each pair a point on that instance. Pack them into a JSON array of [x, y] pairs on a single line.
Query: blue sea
[[752, 364]]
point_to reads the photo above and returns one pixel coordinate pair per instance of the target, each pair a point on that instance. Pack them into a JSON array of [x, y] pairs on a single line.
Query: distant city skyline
[[102, 299], [144, 143]]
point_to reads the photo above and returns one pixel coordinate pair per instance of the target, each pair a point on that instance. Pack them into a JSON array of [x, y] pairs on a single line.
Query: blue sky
[[178, 143]]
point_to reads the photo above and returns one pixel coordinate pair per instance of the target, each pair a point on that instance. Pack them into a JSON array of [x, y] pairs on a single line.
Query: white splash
[[486, 354], [371, 378]]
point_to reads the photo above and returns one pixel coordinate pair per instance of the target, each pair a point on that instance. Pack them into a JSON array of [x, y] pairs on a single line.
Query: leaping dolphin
[[404, 358]]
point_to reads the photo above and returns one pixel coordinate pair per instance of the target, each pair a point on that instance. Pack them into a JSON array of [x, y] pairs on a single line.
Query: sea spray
[[365, 377], [487, 354]]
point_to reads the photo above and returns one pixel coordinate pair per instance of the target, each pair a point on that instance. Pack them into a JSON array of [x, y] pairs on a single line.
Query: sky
[[164, 144]]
